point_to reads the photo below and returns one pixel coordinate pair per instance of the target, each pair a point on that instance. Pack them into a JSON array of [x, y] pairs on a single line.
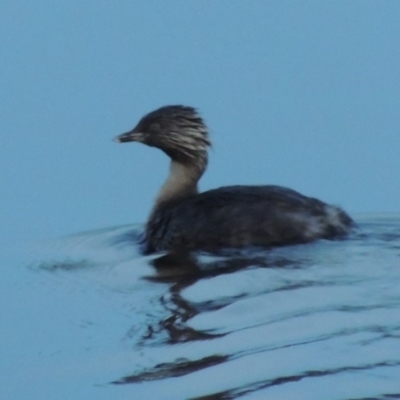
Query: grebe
[[182, 219]]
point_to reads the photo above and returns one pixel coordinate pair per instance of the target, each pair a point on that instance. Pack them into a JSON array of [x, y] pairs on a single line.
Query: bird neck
[[181, 182]]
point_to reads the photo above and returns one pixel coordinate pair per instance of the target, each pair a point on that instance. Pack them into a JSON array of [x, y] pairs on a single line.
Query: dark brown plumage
[[236, 216]]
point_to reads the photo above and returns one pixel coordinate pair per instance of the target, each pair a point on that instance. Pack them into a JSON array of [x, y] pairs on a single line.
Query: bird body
[[183, 219], [241, 216]]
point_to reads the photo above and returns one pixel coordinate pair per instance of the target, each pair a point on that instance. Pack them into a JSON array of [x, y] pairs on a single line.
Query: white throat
[[181, 182]]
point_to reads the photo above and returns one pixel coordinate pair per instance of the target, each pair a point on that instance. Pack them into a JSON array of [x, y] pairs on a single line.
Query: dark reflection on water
[[177, 368], [277, 322]]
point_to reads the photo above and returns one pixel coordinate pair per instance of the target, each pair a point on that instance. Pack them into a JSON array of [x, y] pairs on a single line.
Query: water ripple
[[302, 322]]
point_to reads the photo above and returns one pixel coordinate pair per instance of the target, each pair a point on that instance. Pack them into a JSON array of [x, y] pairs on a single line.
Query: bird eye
[[155, 127]]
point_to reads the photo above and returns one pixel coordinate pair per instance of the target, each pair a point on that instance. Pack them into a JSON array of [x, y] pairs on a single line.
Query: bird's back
[[239, 216]]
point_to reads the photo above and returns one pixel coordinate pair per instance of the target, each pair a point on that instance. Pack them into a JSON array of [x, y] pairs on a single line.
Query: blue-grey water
[[87, 316]]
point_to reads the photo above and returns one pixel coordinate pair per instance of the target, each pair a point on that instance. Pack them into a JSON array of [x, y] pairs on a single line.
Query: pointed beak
[[131, 136]]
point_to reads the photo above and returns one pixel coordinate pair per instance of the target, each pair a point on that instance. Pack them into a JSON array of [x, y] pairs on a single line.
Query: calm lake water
[[87, 316]]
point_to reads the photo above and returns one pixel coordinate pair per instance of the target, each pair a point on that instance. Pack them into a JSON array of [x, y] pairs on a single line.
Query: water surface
[[88, 316]]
